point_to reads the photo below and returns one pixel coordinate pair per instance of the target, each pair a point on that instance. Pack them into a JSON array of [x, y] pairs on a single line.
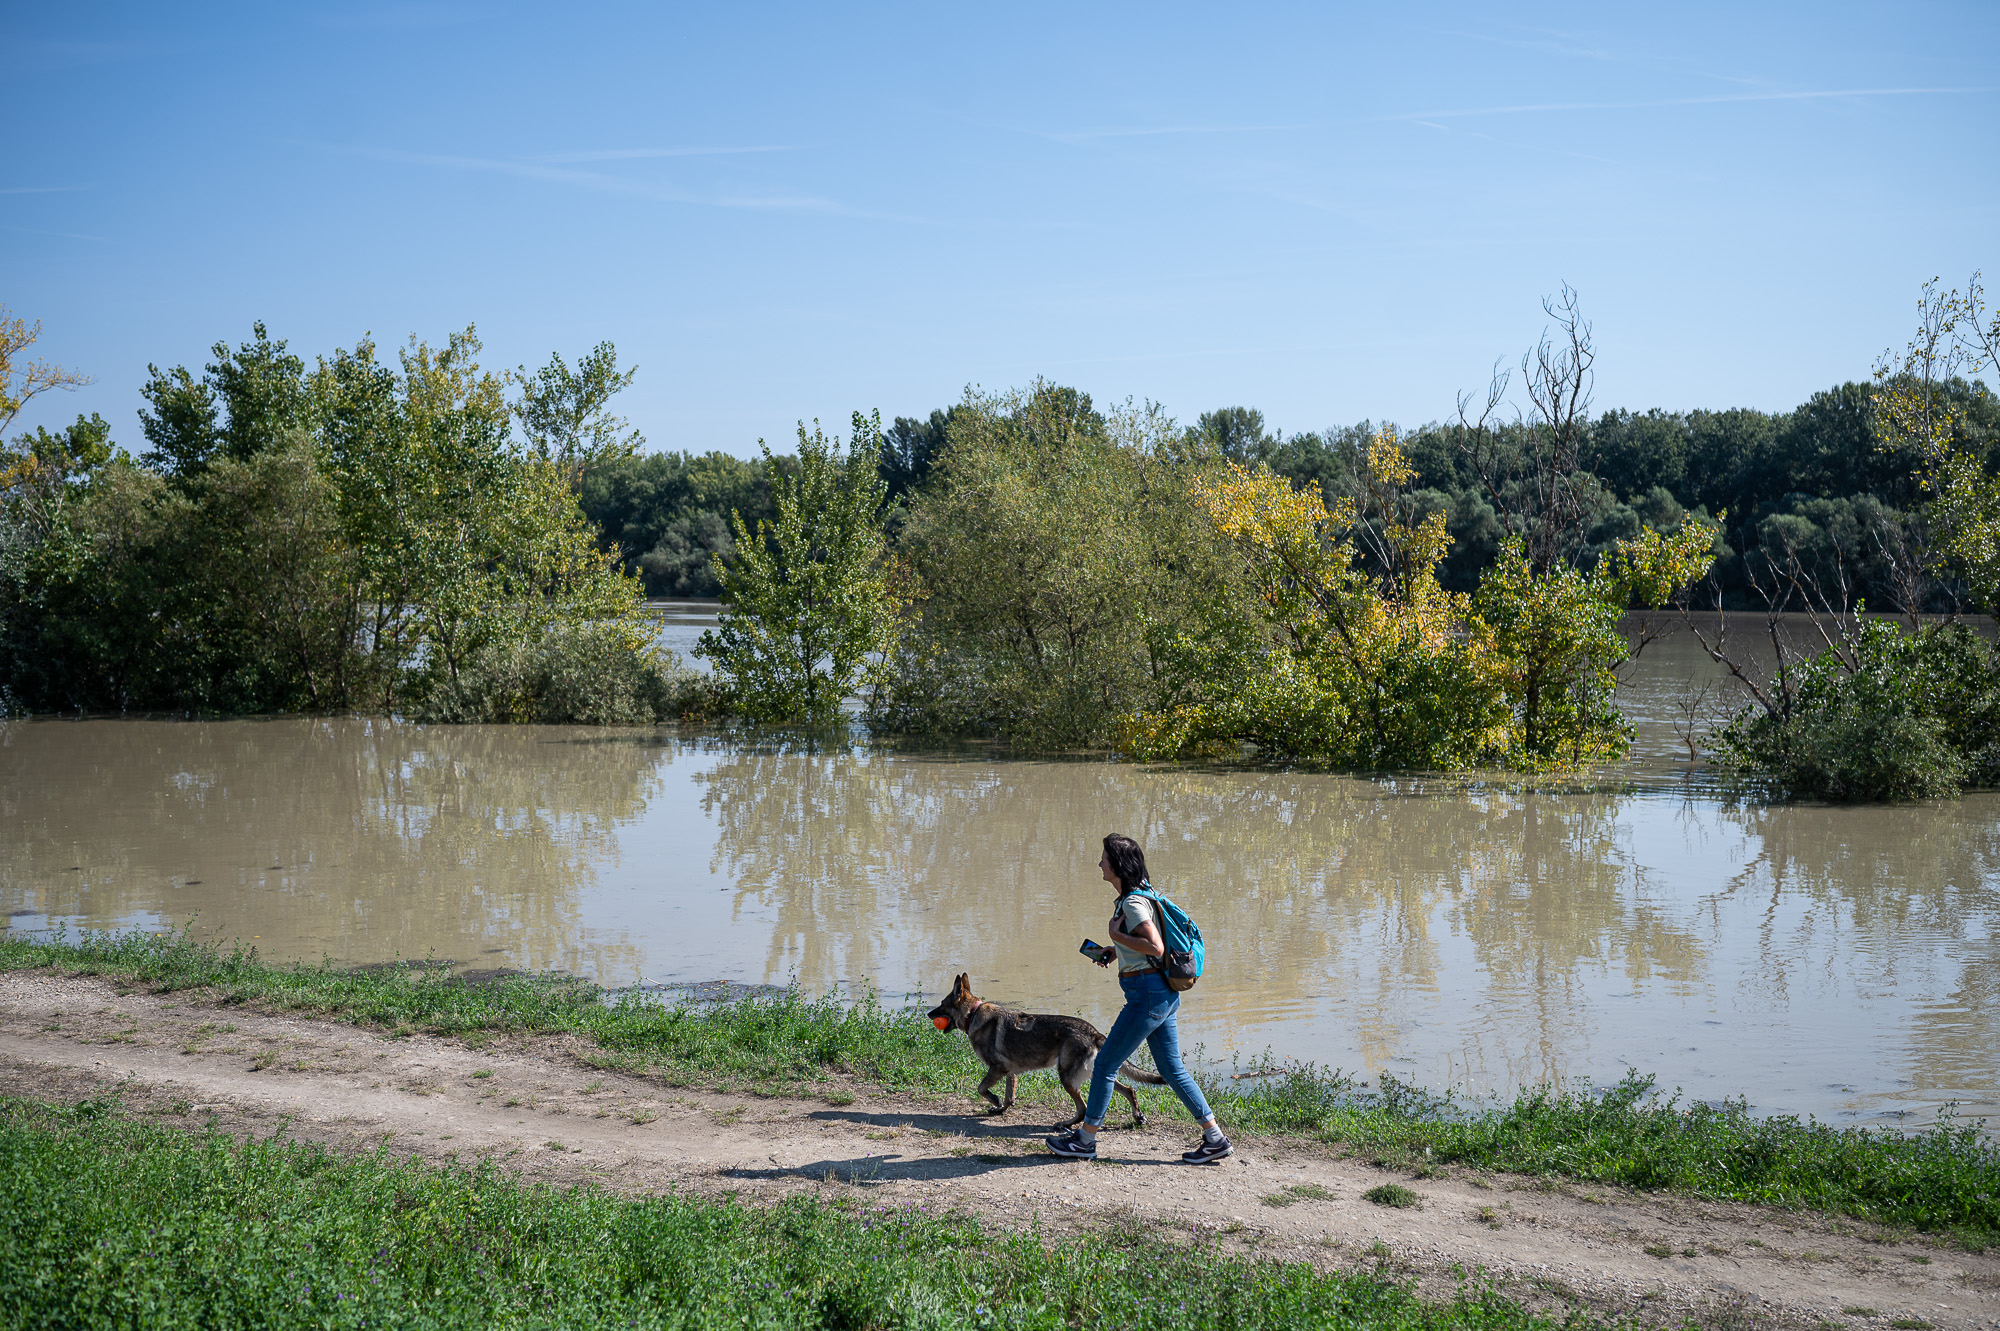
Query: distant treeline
[[1814, 481]]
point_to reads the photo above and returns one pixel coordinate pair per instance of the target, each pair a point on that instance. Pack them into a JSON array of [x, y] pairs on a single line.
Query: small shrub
[[585, 674], [1392, 1194]]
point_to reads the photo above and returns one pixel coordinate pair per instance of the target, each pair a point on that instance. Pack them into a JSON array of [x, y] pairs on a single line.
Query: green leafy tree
[[1060, 579], [248, 400], [363, 534], [1237, 433], [41, 470], [911, 448], [1923, 402], [806, 600], [566, 414]]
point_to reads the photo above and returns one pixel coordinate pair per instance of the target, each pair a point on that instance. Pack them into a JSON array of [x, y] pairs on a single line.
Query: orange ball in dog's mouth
[[942, 1023]]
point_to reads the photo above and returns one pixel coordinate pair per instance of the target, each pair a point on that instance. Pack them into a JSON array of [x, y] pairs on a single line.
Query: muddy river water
[[1843, 962]]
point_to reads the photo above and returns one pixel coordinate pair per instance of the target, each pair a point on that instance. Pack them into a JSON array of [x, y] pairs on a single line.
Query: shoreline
[[1943, 1179]]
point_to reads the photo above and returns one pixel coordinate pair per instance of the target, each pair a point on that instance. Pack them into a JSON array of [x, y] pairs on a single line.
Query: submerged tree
[[806, 600], [1371, 663], [1874, 711], [1052, 564], [359, 534], [1363, 667]]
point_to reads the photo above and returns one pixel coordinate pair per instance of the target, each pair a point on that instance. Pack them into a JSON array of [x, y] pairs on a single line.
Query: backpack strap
[[1152, 894]]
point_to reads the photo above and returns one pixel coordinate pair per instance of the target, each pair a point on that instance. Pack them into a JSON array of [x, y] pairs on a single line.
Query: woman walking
[[1148, 1016]]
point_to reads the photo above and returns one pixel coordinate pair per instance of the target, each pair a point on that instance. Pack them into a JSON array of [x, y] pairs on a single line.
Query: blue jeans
[[1148, 1019]]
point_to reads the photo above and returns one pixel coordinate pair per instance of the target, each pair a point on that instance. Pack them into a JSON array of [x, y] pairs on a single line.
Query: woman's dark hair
[[1127, 860]]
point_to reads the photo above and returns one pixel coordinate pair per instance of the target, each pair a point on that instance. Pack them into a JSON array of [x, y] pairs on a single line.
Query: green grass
[[1943, 1179], [790, 1043], [110, 1224]]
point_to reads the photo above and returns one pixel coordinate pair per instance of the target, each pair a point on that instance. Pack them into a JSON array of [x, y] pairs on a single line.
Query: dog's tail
[[1141, 1075]]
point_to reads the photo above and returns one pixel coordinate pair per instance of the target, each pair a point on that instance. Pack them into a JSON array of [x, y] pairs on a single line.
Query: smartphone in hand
[[1091, 950]]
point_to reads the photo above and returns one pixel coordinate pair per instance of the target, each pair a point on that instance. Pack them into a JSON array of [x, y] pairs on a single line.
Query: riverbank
[[1942, 1180], [140, 1074]]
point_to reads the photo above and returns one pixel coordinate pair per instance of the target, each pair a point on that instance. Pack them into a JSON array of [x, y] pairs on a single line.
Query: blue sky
[[1328, 212]]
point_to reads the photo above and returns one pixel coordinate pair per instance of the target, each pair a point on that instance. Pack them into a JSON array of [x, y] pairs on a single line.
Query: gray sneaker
[[1074, 1145], [1207, 1152]]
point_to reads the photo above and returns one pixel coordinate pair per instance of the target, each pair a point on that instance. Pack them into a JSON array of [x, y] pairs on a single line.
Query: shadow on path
[[865, 1170], [1012, 1125]]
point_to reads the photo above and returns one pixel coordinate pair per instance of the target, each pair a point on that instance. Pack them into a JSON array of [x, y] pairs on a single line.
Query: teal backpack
[[1181, 966]]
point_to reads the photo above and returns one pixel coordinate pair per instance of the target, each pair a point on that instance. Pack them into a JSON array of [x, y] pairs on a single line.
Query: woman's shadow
[[966, 1161]]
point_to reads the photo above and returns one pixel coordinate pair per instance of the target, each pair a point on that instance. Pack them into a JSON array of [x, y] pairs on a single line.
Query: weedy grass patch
[[107, 1223], [1392, 1194], [1945, 1178]]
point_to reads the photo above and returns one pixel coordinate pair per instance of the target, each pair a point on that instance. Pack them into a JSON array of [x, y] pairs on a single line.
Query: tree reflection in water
[[1475, 936], [1324, 898], [361, 839]]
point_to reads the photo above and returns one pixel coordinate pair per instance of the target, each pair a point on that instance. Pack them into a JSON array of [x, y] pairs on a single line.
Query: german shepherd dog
[[1012, 1042]]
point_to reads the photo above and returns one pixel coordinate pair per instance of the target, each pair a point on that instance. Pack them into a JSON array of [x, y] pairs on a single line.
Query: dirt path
[[538, 1108]]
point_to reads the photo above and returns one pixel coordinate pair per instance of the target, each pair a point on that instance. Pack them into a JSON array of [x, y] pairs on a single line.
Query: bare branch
[[1540, 493]]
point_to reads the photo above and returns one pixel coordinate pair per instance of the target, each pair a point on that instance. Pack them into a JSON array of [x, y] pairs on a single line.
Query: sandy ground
[[538, 1108]]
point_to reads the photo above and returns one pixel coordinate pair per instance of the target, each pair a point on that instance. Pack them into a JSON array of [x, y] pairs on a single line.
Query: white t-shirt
[[1136, 910]]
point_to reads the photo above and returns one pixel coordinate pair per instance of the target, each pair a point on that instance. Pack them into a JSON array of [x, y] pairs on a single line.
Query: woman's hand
[[1106, 955]]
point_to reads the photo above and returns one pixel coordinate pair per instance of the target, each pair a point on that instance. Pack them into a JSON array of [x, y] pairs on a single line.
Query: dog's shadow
[[893, 1167]]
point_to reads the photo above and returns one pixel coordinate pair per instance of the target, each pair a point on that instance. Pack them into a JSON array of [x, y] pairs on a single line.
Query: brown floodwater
[[1474, 935]]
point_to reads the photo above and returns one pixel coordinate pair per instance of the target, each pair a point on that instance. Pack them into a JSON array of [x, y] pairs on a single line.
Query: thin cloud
[[1556, 43], [773, 201], [635, 154], [1145, 132], [1714, 99], [1521, 147]]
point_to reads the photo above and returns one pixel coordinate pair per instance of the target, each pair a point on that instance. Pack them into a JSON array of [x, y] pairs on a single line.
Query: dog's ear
[[964, 983]]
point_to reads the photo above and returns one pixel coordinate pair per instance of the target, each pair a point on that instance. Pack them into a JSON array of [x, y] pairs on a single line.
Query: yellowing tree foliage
[[1371, 664]]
